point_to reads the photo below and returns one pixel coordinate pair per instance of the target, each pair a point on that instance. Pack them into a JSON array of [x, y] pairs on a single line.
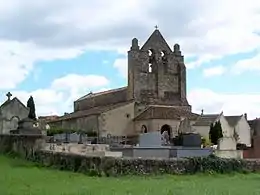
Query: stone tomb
[[26, 127], [227, 148], [83, 149], [153, 139], [191, 140], [151, 147]]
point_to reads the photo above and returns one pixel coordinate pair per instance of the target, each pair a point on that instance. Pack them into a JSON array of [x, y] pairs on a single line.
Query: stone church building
[[11, 112], [154, 99]]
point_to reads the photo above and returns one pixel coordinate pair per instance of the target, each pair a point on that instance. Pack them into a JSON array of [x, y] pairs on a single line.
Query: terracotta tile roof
[[206, 119], [91, 95], [165, 112], [48, 118], [233, 120], [92, 111]]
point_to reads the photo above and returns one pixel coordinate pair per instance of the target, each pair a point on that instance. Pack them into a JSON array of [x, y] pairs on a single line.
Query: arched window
[[164, 61], [151, 60], [166, 128], [144, 129]]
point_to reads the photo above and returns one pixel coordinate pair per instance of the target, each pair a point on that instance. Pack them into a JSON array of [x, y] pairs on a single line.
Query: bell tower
[[156, 73]]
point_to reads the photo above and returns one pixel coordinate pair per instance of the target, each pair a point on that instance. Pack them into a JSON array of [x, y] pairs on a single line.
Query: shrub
[[109, 166], [205, 141]]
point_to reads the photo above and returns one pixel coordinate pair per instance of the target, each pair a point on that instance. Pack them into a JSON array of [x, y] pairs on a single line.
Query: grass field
[[22, 178]]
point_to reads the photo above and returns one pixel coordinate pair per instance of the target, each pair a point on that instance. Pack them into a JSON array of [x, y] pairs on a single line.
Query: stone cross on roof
[[156, 27], [9, 95]]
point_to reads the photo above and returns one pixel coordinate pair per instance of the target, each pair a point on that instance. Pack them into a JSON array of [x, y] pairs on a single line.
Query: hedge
[[109, 166], [28, 147]]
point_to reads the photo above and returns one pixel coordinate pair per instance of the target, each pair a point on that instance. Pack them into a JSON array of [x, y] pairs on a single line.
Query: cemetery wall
[[22, 145], [29, 147], [109, 166]]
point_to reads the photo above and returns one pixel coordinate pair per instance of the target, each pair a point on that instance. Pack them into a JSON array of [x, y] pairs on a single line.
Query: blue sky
[[66, 49]]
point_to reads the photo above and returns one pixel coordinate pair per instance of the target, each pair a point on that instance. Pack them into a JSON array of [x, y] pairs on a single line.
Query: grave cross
[[9, 95]]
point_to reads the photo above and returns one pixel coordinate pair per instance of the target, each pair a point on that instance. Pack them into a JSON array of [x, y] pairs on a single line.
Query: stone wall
[[156, 74], [22, 145], [254, 151], [110, 166], [30, 147]]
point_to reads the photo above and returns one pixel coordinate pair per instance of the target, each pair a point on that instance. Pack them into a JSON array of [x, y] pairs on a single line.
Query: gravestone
[[227, 148], [74, 138], [185, 126], [191, 140], [227, 143], [151, 139], [60, 137]]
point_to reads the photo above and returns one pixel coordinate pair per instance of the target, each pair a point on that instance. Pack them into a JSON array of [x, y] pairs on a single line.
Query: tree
[[31, 106], [215, 132], [212, 134]]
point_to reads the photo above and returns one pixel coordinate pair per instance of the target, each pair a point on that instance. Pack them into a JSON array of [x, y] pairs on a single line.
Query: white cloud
[[46, 30], [230, 104], [251, 64], [17, 59], [214, 71], [59, 97], [48, 26], [121, 65]]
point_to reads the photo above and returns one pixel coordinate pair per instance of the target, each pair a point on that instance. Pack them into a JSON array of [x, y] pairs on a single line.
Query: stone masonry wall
[[22, 145]]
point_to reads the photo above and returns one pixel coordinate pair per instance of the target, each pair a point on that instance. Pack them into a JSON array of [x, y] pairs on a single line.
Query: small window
[[127, 115], [150, 68], [144, 129]]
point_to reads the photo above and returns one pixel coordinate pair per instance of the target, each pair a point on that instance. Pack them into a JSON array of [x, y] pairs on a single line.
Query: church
[[153, 100], [11, 112]]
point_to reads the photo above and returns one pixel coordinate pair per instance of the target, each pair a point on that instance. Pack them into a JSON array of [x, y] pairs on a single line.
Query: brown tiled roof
[[92, 111], [233, 120], [206, 120], [91, 95], [165, 112], [48, 118]]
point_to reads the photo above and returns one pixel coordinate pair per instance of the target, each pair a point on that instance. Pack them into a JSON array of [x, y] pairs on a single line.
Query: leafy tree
[[215, 132], [31, 106]]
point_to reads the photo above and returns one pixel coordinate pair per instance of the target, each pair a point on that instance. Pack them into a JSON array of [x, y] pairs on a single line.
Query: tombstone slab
[[151, 139]]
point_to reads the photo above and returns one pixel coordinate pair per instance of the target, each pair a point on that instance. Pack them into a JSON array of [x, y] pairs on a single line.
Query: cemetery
[[153, 153]]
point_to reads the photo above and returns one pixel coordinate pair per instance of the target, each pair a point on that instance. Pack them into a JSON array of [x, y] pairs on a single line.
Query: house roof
[[255, 125], [165, 112], [93, 111], [206, 120], [12, 101], [233, 120], [91, 95]]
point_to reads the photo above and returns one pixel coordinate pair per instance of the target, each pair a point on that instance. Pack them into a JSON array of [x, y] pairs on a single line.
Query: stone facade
[[155, 97], [11, 112], [156, 74]]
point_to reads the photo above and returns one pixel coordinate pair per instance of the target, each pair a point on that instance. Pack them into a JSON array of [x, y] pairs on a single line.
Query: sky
[[57, 51]]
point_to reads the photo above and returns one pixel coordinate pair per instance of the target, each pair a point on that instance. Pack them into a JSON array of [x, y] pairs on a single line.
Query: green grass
[[18, 177]]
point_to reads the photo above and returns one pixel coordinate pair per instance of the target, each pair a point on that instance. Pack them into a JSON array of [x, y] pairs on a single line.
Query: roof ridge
[[100, 93]]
